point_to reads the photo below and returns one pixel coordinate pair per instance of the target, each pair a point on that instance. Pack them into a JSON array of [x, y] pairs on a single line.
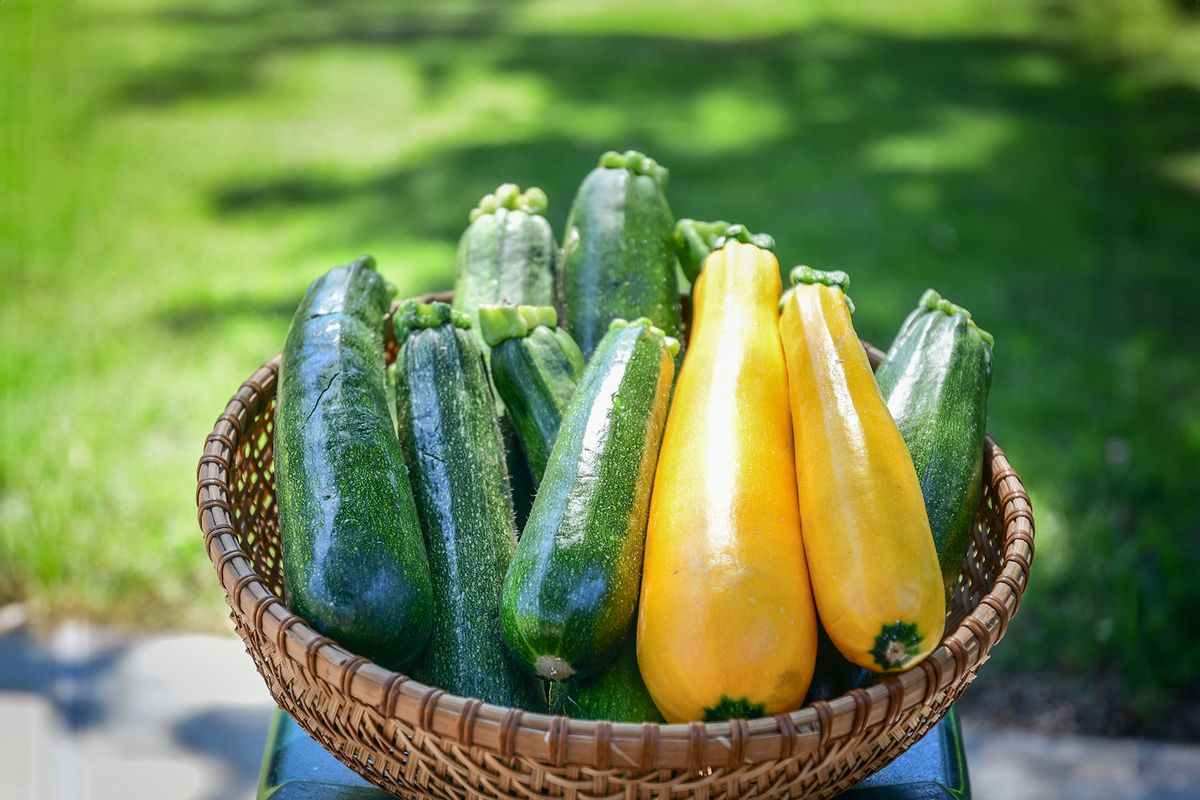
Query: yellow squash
[[871, 555], [726, 625]]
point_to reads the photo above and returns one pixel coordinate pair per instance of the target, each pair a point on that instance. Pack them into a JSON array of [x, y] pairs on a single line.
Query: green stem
[[694, 240], [802, 274], [637, 163], [415, 316], [508, 196], [499, 323], [935, 302]]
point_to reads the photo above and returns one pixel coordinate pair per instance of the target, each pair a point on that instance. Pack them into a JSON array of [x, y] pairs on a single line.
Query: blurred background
[[173, 173]]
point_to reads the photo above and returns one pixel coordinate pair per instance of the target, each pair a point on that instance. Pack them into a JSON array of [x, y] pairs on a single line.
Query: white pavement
[[91, 714]]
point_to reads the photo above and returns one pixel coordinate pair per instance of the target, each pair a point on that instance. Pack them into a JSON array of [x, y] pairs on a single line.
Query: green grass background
[[174, 173]]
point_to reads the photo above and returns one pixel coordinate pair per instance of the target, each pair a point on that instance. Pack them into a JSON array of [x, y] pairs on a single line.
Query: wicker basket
[[418, 741]]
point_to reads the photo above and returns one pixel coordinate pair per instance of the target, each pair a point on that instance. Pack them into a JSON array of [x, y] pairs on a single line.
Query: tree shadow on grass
[[198, 315], [239, 39]]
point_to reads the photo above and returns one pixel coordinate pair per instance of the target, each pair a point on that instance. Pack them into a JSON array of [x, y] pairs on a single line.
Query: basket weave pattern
[[418, 741]]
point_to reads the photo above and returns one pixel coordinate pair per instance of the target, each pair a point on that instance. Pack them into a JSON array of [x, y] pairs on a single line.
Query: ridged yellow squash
[[726, 625], [871, 555]]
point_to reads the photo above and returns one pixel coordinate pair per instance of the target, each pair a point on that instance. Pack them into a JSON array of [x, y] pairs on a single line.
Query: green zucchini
[[618, 256], [572, 589], [520, 475], [935, 378], [616, 694], [535, 369], [507, 254], [451, 443], [354, 563]]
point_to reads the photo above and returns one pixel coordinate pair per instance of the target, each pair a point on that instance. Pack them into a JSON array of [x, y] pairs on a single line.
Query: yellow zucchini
[[726, 626], [872, 559]]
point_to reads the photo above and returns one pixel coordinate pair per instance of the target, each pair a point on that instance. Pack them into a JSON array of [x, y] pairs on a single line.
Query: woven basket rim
[[557, 740]]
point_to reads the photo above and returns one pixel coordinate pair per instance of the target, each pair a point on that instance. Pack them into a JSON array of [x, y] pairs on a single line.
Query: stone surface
[[1019, 764], [88, 713]]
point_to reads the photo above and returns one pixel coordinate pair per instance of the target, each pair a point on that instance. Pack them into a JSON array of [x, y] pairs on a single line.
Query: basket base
[[295, 767]]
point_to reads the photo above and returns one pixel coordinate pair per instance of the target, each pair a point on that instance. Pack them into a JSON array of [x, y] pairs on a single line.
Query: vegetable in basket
[[870, 552], [618, 260], [451, 442], [507, 254], [726, 626], [354, 564], [617, 694], [935, 379], [571, 591], [535, 369]]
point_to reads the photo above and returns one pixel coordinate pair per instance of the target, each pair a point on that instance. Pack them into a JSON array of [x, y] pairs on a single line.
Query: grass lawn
[[173, 173]]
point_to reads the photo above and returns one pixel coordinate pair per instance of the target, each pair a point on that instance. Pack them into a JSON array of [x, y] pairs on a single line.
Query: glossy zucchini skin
[[618, 251], [726, 624], [451, 442], [507, 254], [617, 693], [571, 591], [354, 564], [535, 367], [935, 379], [871, 556]]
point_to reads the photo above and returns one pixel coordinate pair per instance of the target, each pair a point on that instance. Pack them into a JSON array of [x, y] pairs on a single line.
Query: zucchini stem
[[933, 301], [638, 164], [416, 316], [694, 240], [802, 274], [499, 323], [508, 196]]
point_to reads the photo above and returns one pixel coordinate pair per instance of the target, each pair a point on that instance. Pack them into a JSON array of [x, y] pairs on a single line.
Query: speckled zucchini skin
[[507, 254], [618, 251], [571, 591], [451, 442], [535, 369], [936, 378], [354, 563], [616, 694]]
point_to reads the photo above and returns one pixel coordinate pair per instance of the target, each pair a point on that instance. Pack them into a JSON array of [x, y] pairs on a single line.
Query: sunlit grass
[[174, 173]]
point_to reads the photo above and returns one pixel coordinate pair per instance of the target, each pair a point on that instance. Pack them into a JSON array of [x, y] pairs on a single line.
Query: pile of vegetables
[[556, 500]]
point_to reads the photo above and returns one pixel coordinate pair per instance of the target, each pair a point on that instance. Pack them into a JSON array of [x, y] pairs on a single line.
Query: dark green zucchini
[[935, 379], [616, 694], [507, 254], [833, 674], [354, 564], [520, 476], [535, 368], [451, 442], [618, 256], [572, 588]]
